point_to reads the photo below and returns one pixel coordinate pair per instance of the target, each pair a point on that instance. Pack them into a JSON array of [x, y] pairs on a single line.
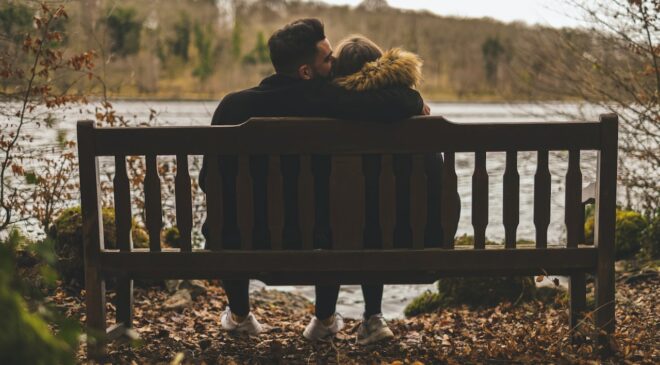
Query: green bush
[[466, 240], [172, 237], [651, 239], [66, 231], [629, 228], [25, 335]]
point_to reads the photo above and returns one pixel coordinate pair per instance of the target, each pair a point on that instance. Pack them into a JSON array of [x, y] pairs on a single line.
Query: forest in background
[[203, 49]]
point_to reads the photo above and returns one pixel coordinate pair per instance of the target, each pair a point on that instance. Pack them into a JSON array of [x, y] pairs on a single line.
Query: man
[[302, 58]]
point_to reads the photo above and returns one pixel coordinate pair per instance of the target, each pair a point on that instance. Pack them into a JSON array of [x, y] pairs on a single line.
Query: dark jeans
[[326, 298], [326, 295]]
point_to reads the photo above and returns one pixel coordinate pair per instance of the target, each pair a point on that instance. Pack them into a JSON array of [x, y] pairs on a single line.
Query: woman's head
[[361, 65], [353, 53]]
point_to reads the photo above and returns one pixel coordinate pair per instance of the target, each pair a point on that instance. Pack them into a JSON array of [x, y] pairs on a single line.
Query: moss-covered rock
[[630, 226], [66, 231], [427, 302], [474, 292], [485, 291]]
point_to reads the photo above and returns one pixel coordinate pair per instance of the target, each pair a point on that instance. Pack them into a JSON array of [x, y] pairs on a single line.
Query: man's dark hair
[[295, 44]]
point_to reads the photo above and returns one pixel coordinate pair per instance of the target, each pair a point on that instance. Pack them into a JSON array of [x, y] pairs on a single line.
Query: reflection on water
[[395, 297]]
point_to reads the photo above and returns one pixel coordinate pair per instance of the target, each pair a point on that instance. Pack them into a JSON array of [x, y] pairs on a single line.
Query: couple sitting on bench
[[356, 81]]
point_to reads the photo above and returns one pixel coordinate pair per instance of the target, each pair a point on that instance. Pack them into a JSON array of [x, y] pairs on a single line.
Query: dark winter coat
[[280, 96], [397, 67]]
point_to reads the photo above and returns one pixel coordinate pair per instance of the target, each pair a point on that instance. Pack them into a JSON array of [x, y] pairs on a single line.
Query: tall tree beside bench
[[401, 153]]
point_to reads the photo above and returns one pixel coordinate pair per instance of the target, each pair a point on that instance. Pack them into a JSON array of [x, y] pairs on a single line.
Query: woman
[[361, 65]]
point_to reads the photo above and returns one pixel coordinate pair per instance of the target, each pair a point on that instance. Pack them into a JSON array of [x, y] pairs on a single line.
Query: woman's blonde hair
[[353, 53]]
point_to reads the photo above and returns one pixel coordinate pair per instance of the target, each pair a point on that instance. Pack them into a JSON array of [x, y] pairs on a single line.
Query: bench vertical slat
[[258, 165], [214, 217], [122, 195], [511, 197], [480, 199], [418, 201], [321, 170], [306, 202], [152, 202], [244, 202], [347, 202], [387, 201], [604, 227], [275, 202], [289, 172], [371, 165], [402, 164], [542, 191], [581, 218], [450, 202], [433, 232], [573, 204], [184, 219], [92, 239]]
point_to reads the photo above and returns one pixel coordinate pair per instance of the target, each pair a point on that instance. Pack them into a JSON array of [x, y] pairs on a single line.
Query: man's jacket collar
[[277, 79]]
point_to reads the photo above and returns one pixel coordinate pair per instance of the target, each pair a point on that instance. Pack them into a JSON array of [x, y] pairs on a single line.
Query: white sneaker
[[317, 331], [373, 330], [249, 325]]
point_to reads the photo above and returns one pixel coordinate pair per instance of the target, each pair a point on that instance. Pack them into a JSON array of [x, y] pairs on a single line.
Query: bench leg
[[125, 301], [96, 316], [578, 301], [605, 305]]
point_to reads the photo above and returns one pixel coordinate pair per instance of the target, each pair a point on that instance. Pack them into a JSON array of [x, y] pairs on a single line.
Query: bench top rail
[[331, 136]]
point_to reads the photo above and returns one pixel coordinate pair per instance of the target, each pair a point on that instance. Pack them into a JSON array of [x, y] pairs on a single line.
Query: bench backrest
[[346, 142]]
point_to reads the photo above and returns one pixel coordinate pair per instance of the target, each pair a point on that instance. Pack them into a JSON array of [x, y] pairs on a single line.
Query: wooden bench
[[347, 261]]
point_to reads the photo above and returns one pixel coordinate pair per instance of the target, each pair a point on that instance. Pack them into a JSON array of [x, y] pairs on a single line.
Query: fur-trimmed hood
[[395, 67]]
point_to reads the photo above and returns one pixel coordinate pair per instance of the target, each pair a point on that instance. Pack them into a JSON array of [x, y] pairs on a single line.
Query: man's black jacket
[[283, 96]]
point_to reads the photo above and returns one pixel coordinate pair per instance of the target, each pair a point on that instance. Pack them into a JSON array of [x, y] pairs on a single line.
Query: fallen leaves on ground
[[533, 332]]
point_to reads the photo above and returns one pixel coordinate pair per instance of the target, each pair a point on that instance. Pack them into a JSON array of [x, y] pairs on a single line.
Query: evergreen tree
[[204, 67], [236, 41], [182, 29], [492, 50], [124, 31]]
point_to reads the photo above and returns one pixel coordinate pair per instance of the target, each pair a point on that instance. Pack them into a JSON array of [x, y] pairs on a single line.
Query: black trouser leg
[[373, 297], [326, 301], [238, 295]]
